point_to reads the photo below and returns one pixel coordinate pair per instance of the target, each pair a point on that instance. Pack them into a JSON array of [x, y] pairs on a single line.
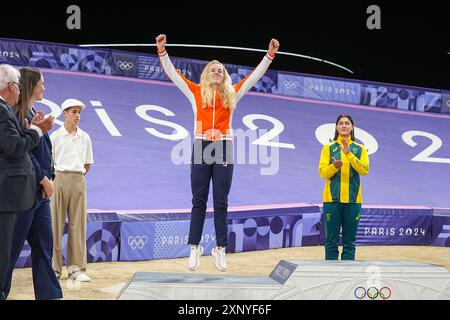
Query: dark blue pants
[[210, 160], [35, 225], [7, 222]]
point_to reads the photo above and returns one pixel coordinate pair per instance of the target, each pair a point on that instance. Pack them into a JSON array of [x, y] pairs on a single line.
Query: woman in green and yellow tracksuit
[[341, 164]]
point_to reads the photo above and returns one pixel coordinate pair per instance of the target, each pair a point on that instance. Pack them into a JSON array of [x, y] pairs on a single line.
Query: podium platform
[[191, 286], [301, 280]]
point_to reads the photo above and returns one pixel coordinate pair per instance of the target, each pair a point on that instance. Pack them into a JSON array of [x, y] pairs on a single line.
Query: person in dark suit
[[17, 177], [35, 224]]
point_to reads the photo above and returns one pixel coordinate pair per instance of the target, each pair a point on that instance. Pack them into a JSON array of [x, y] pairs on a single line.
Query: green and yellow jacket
[[343, 185]]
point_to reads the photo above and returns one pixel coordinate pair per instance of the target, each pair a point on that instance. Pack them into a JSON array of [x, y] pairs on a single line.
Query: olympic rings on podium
[[372, 293]]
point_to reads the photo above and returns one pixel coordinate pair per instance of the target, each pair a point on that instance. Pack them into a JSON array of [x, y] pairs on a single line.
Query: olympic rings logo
[[372, 293], [290, 84], [137, 242], [125, 65]]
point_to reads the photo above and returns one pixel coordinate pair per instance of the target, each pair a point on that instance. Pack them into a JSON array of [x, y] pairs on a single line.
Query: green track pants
[[336, 215]]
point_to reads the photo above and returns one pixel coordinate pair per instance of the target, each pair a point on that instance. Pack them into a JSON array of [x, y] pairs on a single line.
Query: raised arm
[[178, 79], [274, 45], [248, 82], [161, 41]]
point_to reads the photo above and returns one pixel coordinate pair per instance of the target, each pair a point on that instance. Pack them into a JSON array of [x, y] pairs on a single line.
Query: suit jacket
[[17, 176], [41, 157]]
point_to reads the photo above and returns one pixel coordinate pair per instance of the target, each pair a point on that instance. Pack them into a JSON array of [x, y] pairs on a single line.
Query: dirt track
[[108, 278]]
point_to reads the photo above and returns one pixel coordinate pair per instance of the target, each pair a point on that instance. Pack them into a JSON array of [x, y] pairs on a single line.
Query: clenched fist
[[161, 41], [273, 47]]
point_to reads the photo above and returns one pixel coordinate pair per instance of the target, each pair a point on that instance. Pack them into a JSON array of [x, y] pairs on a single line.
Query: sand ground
[[108, 278]]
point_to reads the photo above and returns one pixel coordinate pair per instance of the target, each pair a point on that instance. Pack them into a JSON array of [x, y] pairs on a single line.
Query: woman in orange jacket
[[213, 102]]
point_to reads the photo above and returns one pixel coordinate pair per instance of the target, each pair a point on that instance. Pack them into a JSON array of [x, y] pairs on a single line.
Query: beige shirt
[[71, 153]]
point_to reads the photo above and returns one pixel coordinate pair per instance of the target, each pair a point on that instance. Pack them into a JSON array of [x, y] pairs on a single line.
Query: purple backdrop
[[391, 226], [133, 168], [162, 236], [441, 227]]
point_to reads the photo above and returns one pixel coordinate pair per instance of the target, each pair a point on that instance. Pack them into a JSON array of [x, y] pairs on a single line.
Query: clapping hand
[[44, 123], [336, 163], [345, 147]]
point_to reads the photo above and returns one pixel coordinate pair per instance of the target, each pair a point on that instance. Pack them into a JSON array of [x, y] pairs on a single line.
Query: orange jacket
[[213, 122]]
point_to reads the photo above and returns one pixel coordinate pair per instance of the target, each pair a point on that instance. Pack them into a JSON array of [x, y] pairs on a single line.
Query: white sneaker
[[83, 277], [220, 259], [73, 271], [194, 257]]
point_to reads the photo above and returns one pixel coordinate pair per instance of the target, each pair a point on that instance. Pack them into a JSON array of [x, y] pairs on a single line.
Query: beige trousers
[[69, 199]]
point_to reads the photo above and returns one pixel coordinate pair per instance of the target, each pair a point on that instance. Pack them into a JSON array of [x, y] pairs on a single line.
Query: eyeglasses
[[19, 86]]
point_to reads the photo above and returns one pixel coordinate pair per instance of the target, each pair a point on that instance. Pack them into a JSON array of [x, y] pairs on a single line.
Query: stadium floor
[[108, 278]]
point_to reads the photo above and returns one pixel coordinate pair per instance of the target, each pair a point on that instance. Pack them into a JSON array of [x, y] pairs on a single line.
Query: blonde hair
[[226, 88]]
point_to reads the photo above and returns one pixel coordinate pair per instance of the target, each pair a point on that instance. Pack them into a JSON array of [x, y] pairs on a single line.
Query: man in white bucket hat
[[72, 155]]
